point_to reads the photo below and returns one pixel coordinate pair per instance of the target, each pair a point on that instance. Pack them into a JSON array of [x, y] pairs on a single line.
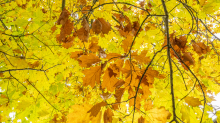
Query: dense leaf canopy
[[81, 61]]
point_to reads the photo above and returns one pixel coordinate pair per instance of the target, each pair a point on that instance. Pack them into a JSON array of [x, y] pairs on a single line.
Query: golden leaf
[[96, 108], [88, 60], [92, 76], [192, 101], [109, 80], [142, 57], [158, 115], [108, 115]]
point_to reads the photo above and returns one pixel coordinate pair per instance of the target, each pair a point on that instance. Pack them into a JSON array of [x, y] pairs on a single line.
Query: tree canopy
[[101, 61]]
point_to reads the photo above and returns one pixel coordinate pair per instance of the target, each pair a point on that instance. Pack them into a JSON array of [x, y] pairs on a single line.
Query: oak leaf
[[92, 76]]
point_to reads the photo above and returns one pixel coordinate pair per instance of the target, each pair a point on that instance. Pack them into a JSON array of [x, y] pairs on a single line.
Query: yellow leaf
[[185, 113], [158, 115], [80, 115], [23, 105]]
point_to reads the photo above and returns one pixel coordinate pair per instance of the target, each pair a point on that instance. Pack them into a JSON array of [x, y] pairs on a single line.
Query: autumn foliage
[[104, 61]]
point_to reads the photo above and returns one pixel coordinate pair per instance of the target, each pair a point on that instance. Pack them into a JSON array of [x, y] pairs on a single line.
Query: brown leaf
[[142, 57], [67, 26], [146, 91], [17, 50], [119, 83], [97, 26], [181, 41], [106, 26], [92, 76], [82, 2], [86, 9], [76, 54], [83, 33], [127, 43], [118, 94], [56, 119], [109, 80], [34, 65], [67, 45], [192, 101], [113, 56], [142, 3], [141, 120], [54, 28], [89, 59], [96, 108], [85, 25], [188, 59], [108, 116], [94, 47], [1, 75], [151, 74], [200, 48], [64, 16], [125, 8], [131, 101]]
